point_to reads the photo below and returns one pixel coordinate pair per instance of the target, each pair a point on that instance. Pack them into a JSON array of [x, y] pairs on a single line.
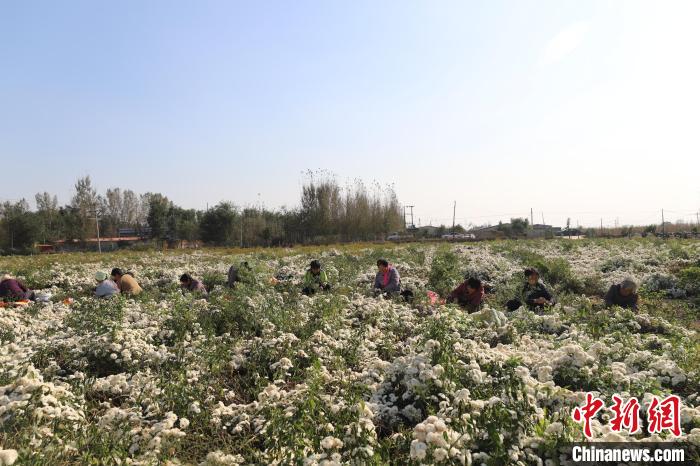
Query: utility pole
[[663, 224], [405, 227], [97, 224], [242, 221], [542, 218], [601, 227], [532, 219], [454, 212]]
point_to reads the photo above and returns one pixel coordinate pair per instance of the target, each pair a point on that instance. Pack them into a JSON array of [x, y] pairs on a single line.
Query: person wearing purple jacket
[[387, 279], [12, 289], [187, 283]]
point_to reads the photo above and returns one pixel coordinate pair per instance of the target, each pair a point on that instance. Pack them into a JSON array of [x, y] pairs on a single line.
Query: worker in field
[[187, 283], [387, 279], [623, 295], [469, 294], [534, 293], [126, 282], [106, 288], [12, 289], [240, 274], [315, 279]]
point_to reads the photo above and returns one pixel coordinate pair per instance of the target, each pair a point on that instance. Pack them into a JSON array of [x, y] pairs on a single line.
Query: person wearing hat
[[469, 294], [315, 279], [106, 288], [126, 282], [534, 293], [623, 295], [12, 289]]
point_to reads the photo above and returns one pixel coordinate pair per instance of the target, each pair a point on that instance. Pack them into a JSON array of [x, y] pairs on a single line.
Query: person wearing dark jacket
[[387, 279], [469, 294], [12, 289], [238, 274], [623, 295], [534, 293]]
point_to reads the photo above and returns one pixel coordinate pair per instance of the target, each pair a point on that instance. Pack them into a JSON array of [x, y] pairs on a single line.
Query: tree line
[[327, 212]]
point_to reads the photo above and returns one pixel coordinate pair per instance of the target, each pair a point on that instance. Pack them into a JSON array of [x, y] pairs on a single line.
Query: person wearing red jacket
[[469, 295]]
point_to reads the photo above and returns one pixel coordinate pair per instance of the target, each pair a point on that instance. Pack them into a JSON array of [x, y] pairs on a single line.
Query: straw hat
[[100, 276], [5, 276]]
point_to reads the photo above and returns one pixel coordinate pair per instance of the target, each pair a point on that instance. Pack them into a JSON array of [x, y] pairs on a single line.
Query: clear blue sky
[[575, 108]]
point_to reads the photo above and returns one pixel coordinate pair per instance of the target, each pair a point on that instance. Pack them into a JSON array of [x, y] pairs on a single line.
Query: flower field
[[264, 375]]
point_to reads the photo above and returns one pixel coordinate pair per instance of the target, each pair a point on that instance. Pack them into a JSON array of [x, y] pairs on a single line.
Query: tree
[[182, 224], [158, 210], [71, 223], [217, 224], [20, 226], [86, 202], [130, 209], [47, 216], [519, 226]]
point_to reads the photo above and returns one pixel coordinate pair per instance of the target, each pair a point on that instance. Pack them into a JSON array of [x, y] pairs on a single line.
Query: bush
[[615, 263], [444, 273], [211, 280], [556, 272], [690, 279]]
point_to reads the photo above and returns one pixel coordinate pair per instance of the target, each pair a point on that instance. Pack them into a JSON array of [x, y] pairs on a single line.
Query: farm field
[[263, 375]]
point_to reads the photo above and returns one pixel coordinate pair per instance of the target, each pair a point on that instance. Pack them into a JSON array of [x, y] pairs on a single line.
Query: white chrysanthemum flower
[[331, 443], [8, 457]]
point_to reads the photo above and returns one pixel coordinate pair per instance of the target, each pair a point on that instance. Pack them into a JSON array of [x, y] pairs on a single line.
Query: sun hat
[[5, 276], [100, 276]]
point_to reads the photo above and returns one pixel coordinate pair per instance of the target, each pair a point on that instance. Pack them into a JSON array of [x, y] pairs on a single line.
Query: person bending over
[[534, 293], [469, 294], [189, 284], [387, 279], [623, 295], [126, 282], [315, 279], [12, 289]]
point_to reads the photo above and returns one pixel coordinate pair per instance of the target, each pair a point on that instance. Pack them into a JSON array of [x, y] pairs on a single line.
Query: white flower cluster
[[261, 375], [434, 440], [8, 457]]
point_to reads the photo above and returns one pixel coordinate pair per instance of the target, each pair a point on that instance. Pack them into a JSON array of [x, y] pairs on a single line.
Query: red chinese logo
[[665, 415], [587, 412], [626, 415], [661, 415]]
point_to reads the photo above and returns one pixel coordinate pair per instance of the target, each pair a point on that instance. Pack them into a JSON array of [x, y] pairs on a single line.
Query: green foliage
[[677, 251], [445, 272], [615, 263], [19, 228], [690, 279], [217, 224], [158, 209], [556, 271]]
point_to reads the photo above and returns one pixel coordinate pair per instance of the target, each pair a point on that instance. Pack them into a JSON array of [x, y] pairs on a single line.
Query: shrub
[[690, 280], [615, 263], [444, 273]]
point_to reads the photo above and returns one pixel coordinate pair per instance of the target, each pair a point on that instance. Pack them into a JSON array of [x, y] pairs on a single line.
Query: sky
[[583, 110]]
